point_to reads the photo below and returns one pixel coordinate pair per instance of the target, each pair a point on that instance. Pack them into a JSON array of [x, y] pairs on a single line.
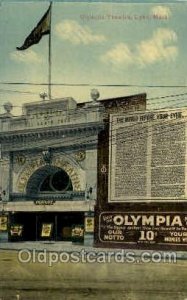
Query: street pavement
[[128, 280], [70, 247]]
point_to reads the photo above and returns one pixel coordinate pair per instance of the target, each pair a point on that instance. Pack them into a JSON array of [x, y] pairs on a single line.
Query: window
[[57, 182]]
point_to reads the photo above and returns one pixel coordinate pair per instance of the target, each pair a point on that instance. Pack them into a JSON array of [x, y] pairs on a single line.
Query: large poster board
[[148, 156]]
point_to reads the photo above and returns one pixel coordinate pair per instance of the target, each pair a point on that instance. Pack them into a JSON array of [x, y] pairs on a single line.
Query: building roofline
[[116, 98]]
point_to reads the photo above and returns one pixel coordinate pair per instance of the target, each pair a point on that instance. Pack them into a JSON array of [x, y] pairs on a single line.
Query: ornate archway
[[49, 179], [36, 171]]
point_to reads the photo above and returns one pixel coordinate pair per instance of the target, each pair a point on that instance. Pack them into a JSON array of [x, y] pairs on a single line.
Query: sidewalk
[[48, 245], [69, 247]]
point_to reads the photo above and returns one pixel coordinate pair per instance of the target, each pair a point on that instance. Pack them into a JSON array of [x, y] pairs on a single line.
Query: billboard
[[143, 228], [148, 157]]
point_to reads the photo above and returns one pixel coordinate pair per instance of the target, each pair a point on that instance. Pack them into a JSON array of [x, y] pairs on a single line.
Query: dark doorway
[[65, 222], [55, 226], [27, 221]]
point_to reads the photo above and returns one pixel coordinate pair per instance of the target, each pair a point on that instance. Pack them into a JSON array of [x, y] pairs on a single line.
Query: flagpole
[[49, 56]]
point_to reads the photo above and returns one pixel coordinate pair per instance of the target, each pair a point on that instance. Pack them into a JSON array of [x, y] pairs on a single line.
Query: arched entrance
[[48, 182]]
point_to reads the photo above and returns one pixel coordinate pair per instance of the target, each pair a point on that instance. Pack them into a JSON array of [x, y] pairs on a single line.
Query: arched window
[[57, 182], [49, 179]]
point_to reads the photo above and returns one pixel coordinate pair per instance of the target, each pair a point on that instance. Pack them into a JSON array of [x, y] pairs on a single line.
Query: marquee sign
[[44, 202]]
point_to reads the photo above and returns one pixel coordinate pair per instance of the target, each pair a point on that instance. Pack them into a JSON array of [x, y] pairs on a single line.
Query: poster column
[[89, 228]]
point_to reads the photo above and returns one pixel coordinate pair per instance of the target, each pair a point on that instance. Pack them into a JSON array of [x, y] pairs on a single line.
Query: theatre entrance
[[56, 226]]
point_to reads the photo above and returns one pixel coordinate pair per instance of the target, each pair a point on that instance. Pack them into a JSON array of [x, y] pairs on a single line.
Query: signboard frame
[[46, 230], [77, 233], [150, 120], [3, 223]]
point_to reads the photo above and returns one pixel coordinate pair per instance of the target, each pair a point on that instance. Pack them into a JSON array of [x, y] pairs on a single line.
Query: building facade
[[49, 167]]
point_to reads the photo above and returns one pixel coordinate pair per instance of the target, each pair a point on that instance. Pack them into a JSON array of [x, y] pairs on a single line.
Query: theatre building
[[49, 167]]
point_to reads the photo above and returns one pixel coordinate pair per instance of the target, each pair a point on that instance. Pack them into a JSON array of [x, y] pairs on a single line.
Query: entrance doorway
[[45, 223], [53, 226]]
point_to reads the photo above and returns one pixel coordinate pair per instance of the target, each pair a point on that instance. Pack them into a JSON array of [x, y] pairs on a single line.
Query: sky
[[96, 44]]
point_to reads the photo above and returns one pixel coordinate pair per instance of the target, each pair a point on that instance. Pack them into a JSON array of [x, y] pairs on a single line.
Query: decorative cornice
[[59, 136], [50, 131]]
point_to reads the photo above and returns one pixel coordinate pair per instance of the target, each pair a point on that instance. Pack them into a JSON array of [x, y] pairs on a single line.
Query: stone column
[[4, 186], [5, 175]]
